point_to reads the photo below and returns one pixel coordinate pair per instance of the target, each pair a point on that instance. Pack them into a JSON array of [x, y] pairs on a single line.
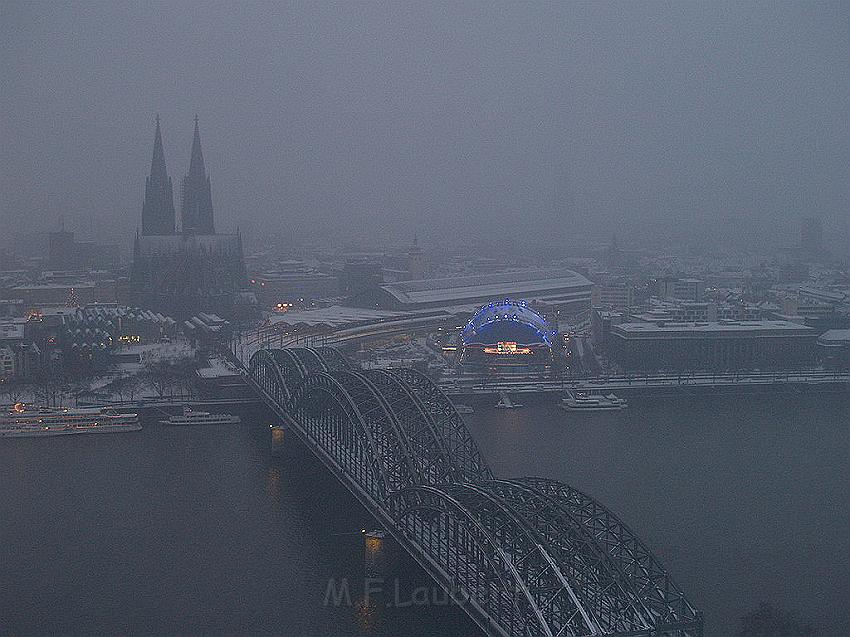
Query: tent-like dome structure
[[509, 333]]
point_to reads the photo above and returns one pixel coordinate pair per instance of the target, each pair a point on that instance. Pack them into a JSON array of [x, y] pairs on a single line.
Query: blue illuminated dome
[[504, 321]]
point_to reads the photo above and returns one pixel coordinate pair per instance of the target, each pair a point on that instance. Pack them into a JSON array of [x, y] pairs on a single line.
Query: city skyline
[[665, 122], [466, 318]]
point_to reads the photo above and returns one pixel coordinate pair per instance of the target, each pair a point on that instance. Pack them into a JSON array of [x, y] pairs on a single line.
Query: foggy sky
[[453, 121]]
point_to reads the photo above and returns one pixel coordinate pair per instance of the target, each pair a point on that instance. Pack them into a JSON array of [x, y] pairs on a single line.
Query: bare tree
[[159, 376], [13, 388], [125, 386], [51, 387], [163, 375]]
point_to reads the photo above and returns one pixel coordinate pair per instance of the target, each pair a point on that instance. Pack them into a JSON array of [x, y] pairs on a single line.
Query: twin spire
[[158, 214]]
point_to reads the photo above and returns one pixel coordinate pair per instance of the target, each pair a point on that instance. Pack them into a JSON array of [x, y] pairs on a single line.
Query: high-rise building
[[196, 216], [158, 217]]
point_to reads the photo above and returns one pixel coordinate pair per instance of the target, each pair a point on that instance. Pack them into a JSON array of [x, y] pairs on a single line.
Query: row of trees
[[168, 376]]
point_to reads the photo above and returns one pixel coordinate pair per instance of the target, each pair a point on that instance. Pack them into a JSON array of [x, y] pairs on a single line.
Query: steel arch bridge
[[523, 557]]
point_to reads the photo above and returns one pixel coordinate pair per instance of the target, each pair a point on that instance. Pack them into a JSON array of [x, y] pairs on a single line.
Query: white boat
[[23, 421], [505, 402], [191, 417], [464, 409], [585, 401]]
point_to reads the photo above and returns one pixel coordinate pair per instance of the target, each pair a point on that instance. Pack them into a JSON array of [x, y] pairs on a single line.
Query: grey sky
[[549, 119]]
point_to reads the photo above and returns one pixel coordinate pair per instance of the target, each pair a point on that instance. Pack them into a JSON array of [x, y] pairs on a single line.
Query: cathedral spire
[[158, 216], [196, 162], [158, 159], [197, 212]]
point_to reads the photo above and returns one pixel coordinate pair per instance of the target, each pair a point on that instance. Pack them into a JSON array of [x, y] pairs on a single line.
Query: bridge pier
[[278, 437], [377, 554]]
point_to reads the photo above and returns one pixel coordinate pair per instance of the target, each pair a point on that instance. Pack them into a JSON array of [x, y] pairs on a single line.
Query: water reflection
[[273, 483], [367, 613]]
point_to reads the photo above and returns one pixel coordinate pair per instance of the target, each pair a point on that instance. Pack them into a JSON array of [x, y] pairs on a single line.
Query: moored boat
[[506, 403], [26, 421], [191, 417], [586, 401]]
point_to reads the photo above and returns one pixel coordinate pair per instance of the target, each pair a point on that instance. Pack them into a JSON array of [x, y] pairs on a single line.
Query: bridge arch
[[555, 572], [267, 374], [462, 547], [436, 464], [294, 365], [651, 597], [347, 415], [466, 456]]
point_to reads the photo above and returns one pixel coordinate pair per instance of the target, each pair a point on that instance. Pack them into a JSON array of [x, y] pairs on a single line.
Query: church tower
[[158, 217], [197, 211]]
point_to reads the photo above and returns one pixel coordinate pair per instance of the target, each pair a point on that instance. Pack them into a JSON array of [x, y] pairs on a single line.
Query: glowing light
[[509, 348]]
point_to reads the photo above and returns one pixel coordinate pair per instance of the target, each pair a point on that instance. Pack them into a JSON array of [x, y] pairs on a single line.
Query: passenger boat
[[26, 421], [464, 409], [585, 401], [190, 417], [505, 402]]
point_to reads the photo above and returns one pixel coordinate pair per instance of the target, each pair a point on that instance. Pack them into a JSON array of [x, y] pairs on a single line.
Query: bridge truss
[[524, 557]]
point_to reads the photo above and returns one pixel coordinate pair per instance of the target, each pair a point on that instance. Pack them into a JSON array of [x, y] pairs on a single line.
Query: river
[[205, 531]]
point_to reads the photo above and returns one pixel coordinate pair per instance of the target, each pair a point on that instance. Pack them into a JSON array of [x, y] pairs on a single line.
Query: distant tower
[[197, 212], [158, 215], [417, 266]]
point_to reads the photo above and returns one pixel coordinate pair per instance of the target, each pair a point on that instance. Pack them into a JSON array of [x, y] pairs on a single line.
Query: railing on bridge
[[523, 557]]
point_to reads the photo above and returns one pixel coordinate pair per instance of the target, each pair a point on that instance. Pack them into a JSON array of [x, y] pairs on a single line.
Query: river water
[[205, 531]]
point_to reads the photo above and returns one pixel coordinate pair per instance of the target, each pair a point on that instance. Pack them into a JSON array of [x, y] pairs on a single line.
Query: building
[[558, 289], [60, 250], [691, 311], [417, 264], [195, 270], [726, 346], [292, 284], [360, 277], [181, 275], [687, 289], [11, 307], [508, 336], [7, 362], [614, 294], [600, 325], [55, 292], [834, 348]]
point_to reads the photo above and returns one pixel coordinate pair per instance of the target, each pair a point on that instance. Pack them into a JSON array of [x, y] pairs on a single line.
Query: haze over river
[[204, 531]]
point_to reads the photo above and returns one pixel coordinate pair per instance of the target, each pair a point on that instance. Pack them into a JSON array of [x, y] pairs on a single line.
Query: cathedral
[[186, 268]]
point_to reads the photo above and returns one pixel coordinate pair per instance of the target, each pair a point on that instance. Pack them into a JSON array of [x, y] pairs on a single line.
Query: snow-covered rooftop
[[711, 327], [334, 316], [457, 289]]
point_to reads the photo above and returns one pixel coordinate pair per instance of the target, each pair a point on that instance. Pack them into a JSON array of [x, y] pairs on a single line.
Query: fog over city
[[424, 318], [459, 122]]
